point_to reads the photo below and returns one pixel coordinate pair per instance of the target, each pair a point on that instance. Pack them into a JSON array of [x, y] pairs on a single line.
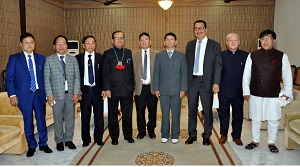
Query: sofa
[[291, 137]]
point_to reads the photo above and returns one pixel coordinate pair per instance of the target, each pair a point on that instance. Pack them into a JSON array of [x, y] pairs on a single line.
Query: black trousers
[[237, 115], [146, 99], [91, 98], [113, 123]]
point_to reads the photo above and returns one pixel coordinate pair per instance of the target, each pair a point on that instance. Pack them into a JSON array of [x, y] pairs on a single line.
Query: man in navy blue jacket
[[231, 91]]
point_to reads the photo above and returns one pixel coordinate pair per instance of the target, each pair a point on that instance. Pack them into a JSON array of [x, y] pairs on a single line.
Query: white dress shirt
[[34, 67], [148, 80], [86, 71], [64, 59], [202, 54]]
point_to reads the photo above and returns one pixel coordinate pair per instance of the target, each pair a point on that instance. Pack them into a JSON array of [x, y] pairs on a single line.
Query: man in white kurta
[[261, 86]]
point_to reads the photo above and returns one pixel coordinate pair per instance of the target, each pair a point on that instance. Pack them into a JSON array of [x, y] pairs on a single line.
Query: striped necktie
[[31, 72]]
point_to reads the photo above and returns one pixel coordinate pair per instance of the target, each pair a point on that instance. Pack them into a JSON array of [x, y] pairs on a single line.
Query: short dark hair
[[25, 35], [54, 40], [86, 37], [170, 34], [200, 21], [144, 33], [113, 34], [267, 32]]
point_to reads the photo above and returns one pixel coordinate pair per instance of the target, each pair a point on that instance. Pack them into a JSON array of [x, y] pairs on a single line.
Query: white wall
[[287, 26]]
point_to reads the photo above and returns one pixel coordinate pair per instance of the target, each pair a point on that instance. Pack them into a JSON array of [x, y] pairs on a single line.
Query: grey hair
[[230, 34]]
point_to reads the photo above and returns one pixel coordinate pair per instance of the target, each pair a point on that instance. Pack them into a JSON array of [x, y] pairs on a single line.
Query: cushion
[[295, 125], [8, 132]]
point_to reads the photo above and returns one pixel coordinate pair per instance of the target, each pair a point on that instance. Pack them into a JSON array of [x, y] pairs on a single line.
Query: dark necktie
[[31, 72], [63, 65], [145, 66], [90, 70], [196, 64]]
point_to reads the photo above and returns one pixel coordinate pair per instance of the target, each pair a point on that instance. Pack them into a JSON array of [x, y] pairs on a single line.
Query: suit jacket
[[138, 69], [97, 71], [212, 64], [55, 80], [18, 77], [170, 74], [120, 82]]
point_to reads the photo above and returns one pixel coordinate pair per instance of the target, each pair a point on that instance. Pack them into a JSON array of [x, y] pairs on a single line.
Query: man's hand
[[14, 101], [182, 93], [75, 98], [108, 93], [103, 95], [50, 100], [157, 93], [286, 97], [216, 88], [247, 97]]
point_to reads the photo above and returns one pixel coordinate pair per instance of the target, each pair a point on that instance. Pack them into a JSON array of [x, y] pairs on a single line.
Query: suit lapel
[[96, 64], [24, 62]]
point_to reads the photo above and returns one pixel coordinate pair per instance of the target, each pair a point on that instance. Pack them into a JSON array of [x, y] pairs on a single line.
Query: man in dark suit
[[204, 75], [170, 85], [143, 94], [231, 90], [25, 88], [90, 68], [118, 84]]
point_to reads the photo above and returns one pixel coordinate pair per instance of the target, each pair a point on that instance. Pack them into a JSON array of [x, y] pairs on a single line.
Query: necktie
[[196, 64], [170, 54], [90, 70], [31, 72], [63, 65], [145, 66]]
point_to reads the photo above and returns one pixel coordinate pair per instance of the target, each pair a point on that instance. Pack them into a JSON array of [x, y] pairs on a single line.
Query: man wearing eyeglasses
[[90, 68], [118, 84], [25, 88], [261, 87], [204, 74], [62, 85]]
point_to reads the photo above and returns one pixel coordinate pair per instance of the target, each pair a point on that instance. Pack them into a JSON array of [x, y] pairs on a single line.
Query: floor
[[258, 156]]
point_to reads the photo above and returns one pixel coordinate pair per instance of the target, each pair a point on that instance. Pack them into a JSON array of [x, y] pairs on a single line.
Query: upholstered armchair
[[292, 130]]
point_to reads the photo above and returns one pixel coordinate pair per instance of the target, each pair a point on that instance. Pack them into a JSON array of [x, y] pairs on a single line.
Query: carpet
[[152, 152]]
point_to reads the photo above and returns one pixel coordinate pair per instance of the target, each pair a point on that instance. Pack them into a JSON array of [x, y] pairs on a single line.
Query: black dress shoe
[[114, 142], [190, 140], [85, 144], [70, 144], [46, 149], [206, 141], [60, 146], [130, 140], [140, 136], [100, 143], [30, 152], [152, 135]]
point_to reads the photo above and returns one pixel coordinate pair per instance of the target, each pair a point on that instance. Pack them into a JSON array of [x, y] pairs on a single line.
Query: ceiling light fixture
[[165, 4]]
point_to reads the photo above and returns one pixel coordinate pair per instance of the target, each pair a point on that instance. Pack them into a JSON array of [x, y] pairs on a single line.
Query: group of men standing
[[147, 75]]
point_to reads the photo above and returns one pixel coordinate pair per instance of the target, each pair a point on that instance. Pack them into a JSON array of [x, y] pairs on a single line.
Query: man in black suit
[[231, 90], [204, 74], [90, 68], [118, 83]]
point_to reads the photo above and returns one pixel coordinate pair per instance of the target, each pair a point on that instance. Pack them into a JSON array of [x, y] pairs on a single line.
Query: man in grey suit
[[62, 86], [143, 61], [204, 74], [170, 85]]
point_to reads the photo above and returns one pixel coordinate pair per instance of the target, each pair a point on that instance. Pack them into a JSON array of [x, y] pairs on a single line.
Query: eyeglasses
[[90, 43], [199, 28], [60, 43], [28, 43], [169, 40], [266, 39], [119, 38]]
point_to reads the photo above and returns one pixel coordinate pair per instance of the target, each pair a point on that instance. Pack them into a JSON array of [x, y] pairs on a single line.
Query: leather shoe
[[223, 140], [85, 144], [114, 142], [190, 140], [46, 149], [140, 136], [60, 146], [206, 141], [30, 152], [152, 135], [130, 140], [238, 142], [70, 144], [100, 143]]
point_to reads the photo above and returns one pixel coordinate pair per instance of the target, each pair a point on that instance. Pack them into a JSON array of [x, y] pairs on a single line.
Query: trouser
[[272, 131]]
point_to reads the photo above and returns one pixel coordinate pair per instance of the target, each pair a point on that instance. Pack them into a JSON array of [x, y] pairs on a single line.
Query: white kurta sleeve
[[247, 76], [287, 79]]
